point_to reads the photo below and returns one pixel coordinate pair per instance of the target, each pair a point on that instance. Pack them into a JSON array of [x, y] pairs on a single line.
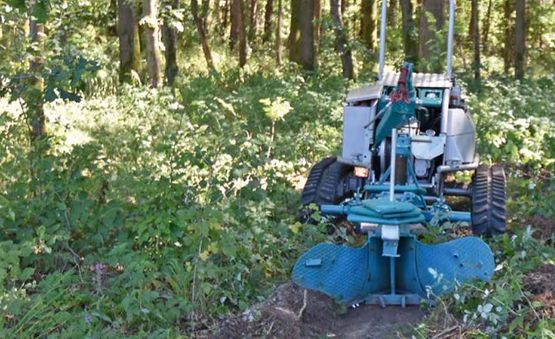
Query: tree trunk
[[486, 27], [520, 38], [343, 7], [410, 43], [253, 21], [428, 31], [129, 42], [113, 24], [151, 29], [34, 101], [204, 13], [242, 34], [169, 36], [225, 15], [201, 31], [317, 21], [301, 36], [341, 41], [475, 34], [236, 18], [278, 32], [268, 11], [391, 12], [369, 23], [508, 10]]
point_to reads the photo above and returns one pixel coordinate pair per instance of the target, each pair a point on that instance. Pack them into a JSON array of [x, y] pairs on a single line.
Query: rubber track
[[488, 200], [310, 190], [327, 190]]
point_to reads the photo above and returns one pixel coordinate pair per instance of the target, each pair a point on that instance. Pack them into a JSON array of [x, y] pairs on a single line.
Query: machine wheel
[[323, 185], [488, 200]]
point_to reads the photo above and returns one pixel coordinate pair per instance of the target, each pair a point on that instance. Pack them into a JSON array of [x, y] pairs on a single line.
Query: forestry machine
[[403, 138]]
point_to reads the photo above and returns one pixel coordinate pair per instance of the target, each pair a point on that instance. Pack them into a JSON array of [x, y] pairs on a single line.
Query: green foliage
[[155, 211], [514, 124], [163, 206], [153, 206]]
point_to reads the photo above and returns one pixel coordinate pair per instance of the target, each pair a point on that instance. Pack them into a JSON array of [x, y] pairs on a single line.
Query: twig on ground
[[444, 332], [270, 329], [300, 314], [291, 313]]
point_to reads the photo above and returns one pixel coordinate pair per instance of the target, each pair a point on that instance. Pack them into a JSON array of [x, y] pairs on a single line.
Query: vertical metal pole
[[392, 274], [382, 38], [450, 38], [392, 166]]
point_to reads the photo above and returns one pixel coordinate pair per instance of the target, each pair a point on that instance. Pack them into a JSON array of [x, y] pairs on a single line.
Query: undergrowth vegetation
[[159, 211]]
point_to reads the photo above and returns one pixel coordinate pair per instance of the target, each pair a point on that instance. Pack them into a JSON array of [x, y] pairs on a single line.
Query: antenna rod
[[382, 39], [450, 38]]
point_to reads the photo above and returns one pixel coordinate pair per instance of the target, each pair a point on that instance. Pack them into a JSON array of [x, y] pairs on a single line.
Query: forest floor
[[293, 312]]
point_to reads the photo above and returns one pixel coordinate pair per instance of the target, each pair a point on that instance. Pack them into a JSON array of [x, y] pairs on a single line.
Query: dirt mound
[[541, 283], [545, 227], [293, 312]]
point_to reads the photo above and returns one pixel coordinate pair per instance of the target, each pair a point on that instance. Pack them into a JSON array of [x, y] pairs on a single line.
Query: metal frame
[[450, 34]]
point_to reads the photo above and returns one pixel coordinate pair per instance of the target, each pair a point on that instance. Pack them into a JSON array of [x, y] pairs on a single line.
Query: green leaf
[[69, 96], [26, 273], [19, 4], [41, 11], [228, 247]]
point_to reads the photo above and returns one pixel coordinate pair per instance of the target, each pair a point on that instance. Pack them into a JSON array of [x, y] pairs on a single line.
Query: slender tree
[[268, 11], [253, 20], [520, 38], [129, 41], [369, 23], [475, 34], [225, 15], [151, 31], [112, 25], [341, 41], [432, 11], [408, 31], [391, 13], [242, 34], [508, 30], [201, 31], [486, 28], [301, 35], [205, 12], [278, 32], [34, 101], [317, 21], [169, 37], [236, 18]]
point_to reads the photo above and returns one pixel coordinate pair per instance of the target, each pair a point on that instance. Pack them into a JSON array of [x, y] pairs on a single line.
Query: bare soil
[[293, 312], [541, 284], [545, 227]]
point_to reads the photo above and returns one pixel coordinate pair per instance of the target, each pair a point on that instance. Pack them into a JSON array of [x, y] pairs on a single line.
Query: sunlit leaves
[[276, 109]]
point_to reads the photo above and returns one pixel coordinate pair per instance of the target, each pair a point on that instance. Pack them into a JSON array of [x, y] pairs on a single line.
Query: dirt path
[[292, 312]]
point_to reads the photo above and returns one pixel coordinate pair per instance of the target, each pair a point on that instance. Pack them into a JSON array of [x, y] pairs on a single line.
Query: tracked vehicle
[[402, 138]]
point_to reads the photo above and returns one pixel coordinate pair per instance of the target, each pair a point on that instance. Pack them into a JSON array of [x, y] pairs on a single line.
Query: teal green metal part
[[352, 275], [391, 268], [398, 188], [402, 108]]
